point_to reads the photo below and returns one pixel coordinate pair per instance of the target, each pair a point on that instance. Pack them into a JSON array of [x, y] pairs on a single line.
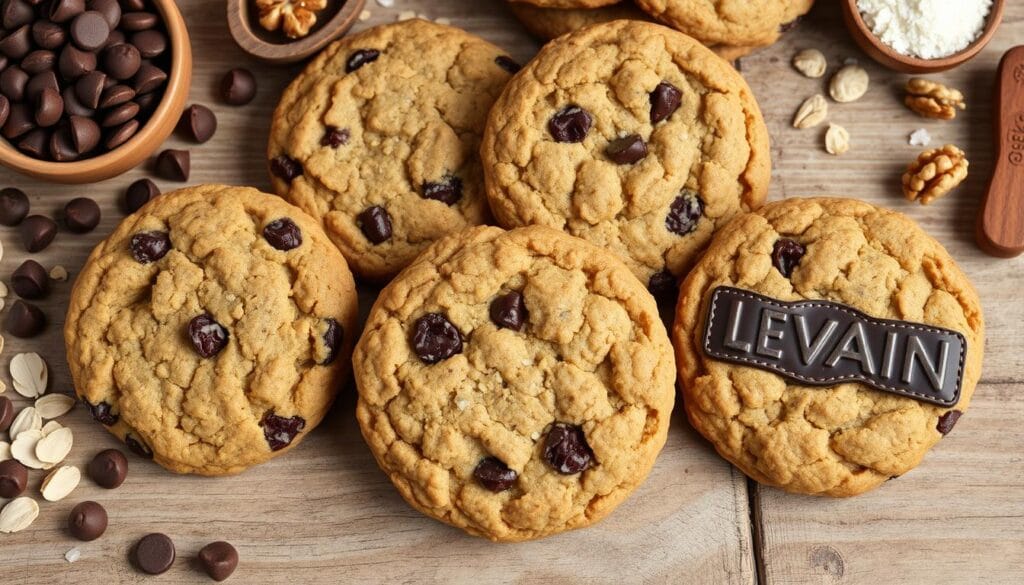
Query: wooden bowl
[[274, 47], [159, 126], [884, 54]]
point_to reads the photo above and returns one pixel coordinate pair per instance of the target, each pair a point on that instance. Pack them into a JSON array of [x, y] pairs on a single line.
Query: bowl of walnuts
[[286, 31]]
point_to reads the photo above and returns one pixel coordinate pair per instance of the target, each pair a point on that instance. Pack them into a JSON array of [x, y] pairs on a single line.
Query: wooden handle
[[1001, 221]]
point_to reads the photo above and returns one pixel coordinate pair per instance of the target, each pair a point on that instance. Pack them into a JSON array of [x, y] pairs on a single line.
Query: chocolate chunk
[[508, 64], [49, 108], [448, 190], [35, 143], [283, 234], [89, 89], [198, 123], [108, 468], [37, 231], [6, 413], [208, 336], [150, 43], [219, 560], [17, 44], [122, 134], [335, 137], [110, 10], [149, 247], [663, 285], [121, 61], [114, 95], [81, 215], [148, 78], [173, 165], [25, 320], [73, 106], [435, 338], [65, 10], [280, 431], [74, 63], [48, 35], [238, 87], [665, 100], [333, 338], [62, 145], [38, 61], [139, 193], [566, 449], [87, 521], [628, 150], [154, 554], [103, 414], [89, 30], [286, 167], [684, 213], [947, 421], [119, 115], [494, 475], [85, 133], [786, 255], [13, 478], [136, 21], [40, 82], [20, 121], [12, 83], [375, 223], [30, 280], [509, 311], [571, 124], [13, 206], [360, 58], [138, 447], [15, 14]]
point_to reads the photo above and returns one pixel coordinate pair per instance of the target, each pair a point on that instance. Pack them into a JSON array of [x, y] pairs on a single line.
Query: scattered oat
[[810, 62], [933, 100], [29, 374], [60, 483], [920, 137], [27, 420], [837, 140], [54, 405], [935, 173], [72, 555], [58, 272], [18, 514], [849, 84], [812, 112], [365, 15]]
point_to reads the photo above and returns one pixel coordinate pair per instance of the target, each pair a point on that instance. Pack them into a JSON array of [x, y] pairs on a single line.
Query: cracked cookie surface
[[583, 362], [840, 440], [728, 22], [389, 120], [568, 3], [212, 329], [632, 136]]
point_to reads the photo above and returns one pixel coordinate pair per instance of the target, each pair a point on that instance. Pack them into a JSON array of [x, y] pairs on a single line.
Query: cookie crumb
[[535, 435], [444, 21], [920, 137], [365, 15], [58, 272]]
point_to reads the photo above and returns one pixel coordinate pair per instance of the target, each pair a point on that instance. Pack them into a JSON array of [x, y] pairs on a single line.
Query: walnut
[[294, 17], [935, 173], [933, 100]]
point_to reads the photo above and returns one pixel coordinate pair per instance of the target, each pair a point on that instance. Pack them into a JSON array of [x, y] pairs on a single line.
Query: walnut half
[[293, 17], [935, 173], [933, 100]]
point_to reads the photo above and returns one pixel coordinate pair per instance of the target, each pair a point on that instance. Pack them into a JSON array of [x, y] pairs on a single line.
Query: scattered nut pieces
[[59, 273], [50, 427], [849, 84], [837, 140], [54, 447], [5, 450], [23, 449], [293, 17], [60, 483], [27, 420], [29, 374], [52, 406], [933, 100], [935, 173], [810, 62], [18, 514], [812, 112]]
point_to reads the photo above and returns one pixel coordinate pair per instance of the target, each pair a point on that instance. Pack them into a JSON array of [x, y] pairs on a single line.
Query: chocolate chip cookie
[[632, 136], [728, 22], [851, 268], [379, 138], [212, 329], [515, 384]]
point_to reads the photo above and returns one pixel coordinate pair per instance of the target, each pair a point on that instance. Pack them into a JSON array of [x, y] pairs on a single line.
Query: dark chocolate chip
[[494, 475], [138, 447], [37, 231], [566, 449], [48, 35], [120, 115], [73, 106], [139, 193], [662, 285], [627, 150], [15, 14], [571, 124], [154, 554], [947, 421], [30, 280], [150, 43], [684, 214], [286, 167], [85, 133], [280, 431], [121, 61], [89, 89], [361, 57], [173, 165], [133, 5], [87, 521], [334, 335], [238, 87], [89, 30], [108, 468], [508, 64], [149, 247], [13, 206], [114, 95], [20, 121], [62, 145], [148, 101], [122, 134], [448, 190], [25, 320], [283, 234], [136, 21], [81, 215], [375, 223], [12, 83], [13, 478], [207, 335], [6, 413], [110, 10], [219, 560], [74, 62], [198, 123], [35, 143], [435, 338], [38, 61], [104, 414], [786, 255], [65, 10], [665, 100], [509, 311], [17, 44], [49, 108], [148, 78], [335, 137], [40, 82]]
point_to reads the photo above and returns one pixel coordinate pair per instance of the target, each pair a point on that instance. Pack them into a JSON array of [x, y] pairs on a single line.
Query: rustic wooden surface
[[325, 513]]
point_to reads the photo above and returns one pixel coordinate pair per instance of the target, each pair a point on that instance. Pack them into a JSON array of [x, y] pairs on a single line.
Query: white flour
[[927, 29]]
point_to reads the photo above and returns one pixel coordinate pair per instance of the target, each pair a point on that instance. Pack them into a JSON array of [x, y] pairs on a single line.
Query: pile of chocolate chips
[[79, 78]]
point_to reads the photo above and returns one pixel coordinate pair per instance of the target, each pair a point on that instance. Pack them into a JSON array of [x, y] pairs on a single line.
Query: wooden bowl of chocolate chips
[[89, 88]]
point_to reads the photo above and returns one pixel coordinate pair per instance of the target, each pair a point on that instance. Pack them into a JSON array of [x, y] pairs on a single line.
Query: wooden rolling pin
[[1001, 221]]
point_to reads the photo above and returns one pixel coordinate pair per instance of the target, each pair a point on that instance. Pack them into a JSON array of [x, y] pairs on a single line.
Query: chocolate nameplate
[[822, 343]]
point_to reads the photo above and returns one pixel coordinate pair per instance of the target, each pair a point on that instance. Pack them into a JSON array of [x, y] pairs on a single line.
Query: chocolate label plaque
[[822, 343]]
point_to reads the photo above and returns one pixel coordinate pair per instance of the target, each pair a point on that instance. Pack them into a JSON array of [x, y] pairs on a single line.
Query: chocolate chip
[[139, 193], [108, 468], [12, 83], [663, 285], [122, 134], [36, 143], [121, 61], [6, 413], [37, 231], [665, 100], [30, 280], [148, 102], [62, 145], [85, 133], [509, 311], [65, 10], [110, 10], [154, 554], [48, 35], [114, 95], [25, 320], [333, 337], [87, 521], [149, 247], [15, 14], [786, 255], [435, 338], [17, 44], [508, 64], [335, 137], [136, 21], [571, 124], [173, 165], [19, 121], [38, 61], [238, 87], [947, 421], [198, 123], [150, 43], [148, 78], [74, 62], [219, 560], [13, 206], [208, 336], [360, 58], [120, 115], [566, 449], [89, 30], [40, 82], [494, 475], [81, 215], [447, 191], [13, 478], [138, 447], [283, 234], [73, 106], [375, 223], [684, 213], [133, 5], [89, 89], [628, 150], [286, 167], [280, 431]]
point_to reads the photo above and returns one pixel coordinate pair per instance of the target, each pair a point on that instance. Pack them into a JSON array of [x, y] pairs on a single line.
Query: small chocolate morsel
[[684, 213], [40, 82], [115, 95], [280, 431], [89, 88], [947, 421], [116, 38], [508, 64], [665, 100], [509, 311], [566, 449], [138, 447], [13, 206], [361, 57], [17, 44], [448, 190], [154, 554], [12, 83], [435, 338], [628, 150], [335, 137], [73, 106], [663, 285], [118, 116], [147, 247], [150, 43], [786, 256], [48, 35], [219, 560], [570, 125], [19, 121], [81, 215], [133, 5], [493, 474], [65, 10], [283, 234], [136, 21], [37, 231], [138, 194], [121, 61], [38, 61], [333, 338], [6, 413], [30, 280], [103, 414], [122, 134], [62, 145], [108, 468], [35, 143], [148, 101], [208, 336], [49, 108], [87, 521], [173, 165], [25, 320], [286, 167], [74, 62], [15, 14], [198, 123], [85, 133], [13, 478], [110, 10], [89, 30], [148, 78], [238, 87], [375, 223]]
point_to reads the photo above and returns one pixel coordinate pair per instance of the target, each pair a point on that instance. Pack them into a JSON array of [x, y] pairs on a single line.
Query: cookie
[[632, 136], [379, 138], [515, 384], [854, 264], [212, 329], [728, 22], [568, 3]]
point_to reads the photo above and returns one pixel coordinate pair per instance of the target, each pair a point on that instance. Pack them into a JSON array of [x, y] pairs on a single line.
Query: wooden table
[[326, 514]]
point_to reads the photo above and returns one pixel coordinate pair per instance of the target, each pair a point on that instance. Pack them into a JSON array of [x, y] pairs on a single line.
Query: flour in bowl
[[927, 29]]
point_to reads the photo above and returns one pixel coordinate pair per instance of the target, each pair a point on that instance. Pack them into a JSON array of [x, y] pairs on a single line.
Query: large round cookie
[[728, 22], [632, 136], [212, 329], [838, 440], [515, 384], [379, 138]]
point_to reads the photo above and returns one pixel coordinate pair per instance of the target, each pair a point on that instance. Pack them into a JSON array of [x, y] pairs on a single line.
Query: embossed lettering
[[917, 353], [862, 354], [735, 313], [811, 351], [766, 332]]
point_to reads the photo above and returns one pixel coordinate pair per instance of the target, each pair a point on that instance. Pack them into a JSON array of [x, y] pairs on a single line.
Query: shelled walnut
[[935, 173], [933, 100], [295, 18]]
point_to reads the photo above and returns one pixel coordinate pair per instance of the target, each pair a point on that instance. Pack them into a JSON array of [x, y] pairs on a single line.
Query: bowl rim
[[179, 79]]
